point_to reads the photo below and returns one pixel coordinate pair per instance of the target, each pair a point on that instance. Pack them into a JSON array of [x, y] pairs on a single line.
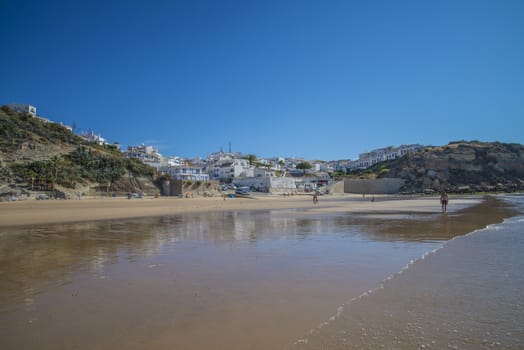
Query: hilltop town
[[142, 169]]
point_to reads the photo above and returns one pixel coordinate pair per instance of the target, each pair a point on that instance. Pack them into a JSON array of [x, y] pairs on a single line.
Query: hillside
[[460, 167], [37, 157], [45, 158]]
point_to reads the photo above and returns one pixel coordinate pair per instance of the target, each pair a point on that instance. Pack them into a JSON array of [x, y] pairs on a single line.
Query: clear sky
[[319, 79]]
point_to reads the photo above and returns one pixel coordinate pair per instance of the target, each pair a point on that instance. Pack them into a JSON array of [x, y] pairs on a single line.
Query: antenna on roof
[[229, 146]]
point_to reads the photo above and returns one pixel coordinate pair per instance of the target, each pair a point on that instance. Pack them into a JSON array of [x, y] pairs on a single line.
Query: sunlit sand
[[62, 211]]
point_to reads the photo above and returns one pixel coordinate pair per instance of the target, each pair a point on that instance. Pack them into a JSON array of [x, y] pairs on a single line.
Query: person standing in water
[[444, 201]]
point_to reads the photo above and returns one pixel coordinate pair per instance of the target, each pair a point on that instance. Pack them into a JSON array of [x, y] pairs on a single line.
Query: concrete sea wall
[[376, 186]]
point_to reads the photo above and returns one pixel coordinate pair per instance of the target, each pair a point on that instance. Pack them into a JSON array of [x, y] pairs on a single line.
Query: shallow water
[[241, 280], [464, 295]]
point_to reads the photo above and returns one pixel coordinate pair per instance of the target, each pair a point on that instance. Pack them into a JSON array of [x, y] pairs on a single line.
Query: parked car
[[244, 190], [42, 197]]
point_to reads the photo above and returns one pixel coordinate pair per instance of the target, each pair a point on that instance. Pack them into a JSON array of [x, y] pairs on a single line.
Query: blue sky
[[314, 79]]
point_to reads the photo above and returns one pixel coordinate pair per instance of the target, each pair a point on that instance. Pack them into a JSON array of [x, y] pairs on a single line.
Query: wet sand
[[66, 211], [209, 278]]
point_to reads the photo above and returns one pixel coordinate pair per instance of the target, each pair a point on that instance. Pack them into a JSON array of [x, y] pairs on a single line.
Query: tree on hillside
[[304, 166], [251, 158], [109, 171], [57, 165]]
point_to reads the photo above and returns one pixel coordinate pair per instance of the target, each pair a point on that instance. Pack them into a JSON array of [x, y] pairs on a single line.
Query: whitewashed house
[[228, 170], [187, 173], [92, 137], [263, 172], [367, 159], [23, 108], [147, 154]]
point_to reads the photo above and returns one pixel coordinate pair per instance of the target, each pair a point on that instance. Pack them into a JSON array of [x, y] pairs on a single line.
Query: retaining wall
[[377, 186]]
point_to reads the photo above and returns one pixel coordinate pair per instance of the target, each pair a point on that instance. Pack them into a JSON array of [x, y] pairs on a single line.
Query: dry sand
[[32, 212]]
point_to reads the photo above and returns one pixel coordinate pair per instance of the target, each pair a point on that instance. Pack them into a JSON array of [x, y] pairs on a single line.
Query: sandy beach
[[63, 211], [240, 273]]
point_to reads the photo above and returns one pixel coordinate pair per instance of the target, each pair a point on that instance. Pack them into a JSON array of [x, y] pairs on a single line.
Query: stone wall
[[191, 188], [268, 184], [377, 186], [337, 187]]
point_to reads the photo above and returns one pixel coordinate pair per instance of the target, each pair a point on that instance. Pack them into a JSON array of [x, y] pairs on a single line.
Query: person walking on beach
[[444, 201], [315, 198]]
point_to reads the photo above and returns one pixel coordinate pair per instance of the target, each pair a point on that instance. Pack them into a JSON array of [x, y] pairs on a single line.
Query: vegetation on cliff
[[461, 167], [40, 156]]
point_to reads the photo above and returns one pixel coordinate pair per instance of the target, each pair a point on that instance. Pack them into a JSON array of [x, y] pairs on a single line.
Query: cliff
[[460, 167], [38, 157]]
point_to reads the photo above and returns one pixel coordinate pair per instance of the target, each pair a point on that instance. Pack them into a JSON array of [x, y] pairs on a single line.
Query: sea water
[[466, 294], [266, 280]]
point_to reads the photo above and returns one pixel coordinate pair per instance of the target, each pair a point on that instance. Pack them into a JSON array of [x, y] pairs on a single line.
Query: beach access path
[[33, 212]]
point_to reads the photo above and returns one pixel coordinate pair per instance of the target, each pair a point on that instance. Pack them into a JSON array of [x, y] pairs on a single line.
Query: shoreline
[[26, 213]]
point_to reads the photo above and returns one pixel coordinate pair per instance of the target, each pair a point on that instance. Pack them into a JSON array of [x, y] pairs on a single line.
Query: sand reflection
[[222, 280]]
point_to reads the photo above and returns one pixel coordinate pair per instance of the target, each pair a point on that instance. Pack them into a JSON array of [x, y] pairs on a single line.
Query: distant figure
[[315, 199], [444, 201], [373, 198]]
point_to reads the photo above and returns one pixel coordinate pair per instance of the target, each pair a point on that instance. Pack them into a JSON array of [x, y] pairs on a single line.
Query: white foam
[[340, 309]]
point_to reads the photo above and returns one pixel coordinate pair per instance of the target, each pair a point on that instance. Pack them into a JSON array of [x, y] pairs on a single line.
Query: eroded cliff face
[[462, 167]]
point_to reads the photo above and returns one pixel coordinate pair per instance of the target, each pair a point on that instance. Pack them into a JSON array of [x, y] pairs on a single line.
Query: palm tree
[[31, 174], [251, 158], [116, 171], [57, 164]]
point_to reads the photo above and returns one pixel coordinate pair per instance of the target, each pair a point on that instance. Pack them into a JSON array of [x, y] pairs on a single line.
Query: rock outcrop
[[461, 167]]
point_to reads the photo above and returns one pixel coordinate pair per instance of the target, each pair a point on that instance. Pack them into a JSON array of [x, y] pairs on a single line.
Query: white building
[[262, 172], [222, 156], [147, 154], [342, 166], [23, 108], [92, 137], [271, 184], [187, 173], [327, 167], [227, 170], [367, 159], [173, 161]]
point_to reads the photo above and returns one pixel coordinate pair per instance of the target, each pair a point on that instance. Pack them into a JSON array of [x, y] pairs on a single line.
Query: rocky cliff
[[460, 167]]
